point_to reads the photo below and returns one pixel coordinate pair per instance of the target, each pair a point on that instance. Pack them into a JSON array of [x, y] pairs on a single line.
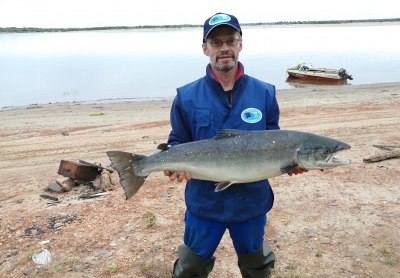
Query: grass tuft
[[150, 218], [113, 269], [156, 269]]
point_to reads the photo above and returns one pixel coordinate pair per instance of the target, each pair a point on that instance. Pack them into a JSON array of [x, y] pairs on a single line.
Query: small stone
[[57, 225], [113, 244], [85, 250], [79, 267], [30, 271], [109, 205], [12, 229], [164, 195], [12, 253], [107, 255], [132, 229], [122, 231], [62, 181], [13, 261], [11, 268], [68, 185], [55, 187], [64, 133]]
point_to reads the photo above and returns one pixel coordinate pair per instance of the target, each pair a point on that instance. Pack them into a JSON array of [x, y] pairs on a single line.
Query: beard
[[224, 66]]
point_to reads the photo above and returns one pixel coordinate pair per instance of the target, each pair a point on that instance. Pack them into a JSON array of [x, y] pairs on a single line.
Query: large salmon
[[233, 156]]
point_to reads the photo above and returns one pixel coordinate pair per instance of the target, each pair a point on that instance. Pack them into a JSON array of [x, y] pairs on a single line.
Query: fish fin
[[229, 133], [123, 163], [289, 168], [163, 147], [222, 185]]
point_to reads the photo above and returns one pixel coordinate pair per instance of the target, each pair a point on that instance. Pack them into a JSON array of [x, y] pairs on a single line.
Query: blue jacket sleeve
[[273, 114], [180, 132]]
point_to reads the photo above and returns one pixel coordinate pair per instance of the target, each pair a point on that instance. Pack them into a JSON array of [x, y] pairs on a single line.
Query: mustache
[[226, 55]]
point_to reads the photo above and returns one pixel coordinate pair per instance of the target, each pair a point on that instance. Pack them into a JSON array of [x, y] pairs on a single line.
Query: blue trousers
[[202, 236]]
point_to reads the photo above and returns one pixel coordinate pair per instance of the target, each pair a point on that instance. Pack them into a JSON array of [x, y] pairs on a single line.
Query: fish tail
[[123, 163]]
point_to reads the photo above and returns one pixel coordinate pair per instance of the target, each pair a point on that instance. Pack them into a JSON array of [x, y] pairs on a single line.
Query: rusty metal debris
[[78, 171], [98, 166], [92, 186], [93, 195], [49, 197]]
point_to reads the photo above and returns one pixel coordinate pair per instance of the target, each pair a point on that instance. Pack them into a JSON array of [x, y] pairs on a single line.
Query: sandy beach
[[343, 222]]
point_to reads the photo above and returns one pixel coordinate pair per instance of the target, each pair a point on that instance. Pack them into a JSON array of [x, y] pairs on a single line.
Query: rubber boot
[[257, 264], [191, 265]]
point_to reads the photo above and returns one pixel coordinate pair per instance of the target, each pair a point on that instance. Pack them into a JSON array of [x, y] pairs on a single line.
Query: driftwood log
[[380, 157], [386, 146]]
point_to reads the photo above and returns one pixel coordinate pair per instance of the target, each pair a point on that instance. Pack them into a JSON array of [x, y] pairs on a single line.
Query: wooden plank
[[380, 157]]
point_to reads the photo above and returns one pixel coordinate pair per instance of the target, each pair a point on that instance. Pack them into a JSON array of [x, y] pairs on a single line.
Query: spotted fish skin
[[233, 156]]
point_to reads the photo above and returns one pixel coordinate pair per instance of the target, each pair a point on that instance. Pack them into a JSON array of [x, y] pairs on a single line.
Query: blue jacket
[[198, 112]]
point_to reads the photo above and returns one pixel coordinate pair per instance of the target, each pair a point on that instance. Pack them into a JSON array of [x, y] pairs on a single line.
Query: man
[[225, 98]]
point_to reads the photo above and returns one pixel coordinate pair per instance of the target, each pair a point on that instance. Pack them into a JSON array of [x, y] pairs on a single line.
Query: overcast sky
[[94, 13]]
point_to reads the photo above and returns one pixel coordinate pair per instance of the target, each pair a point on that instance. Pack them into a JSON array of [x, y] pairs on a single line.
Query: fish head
[[318, 152]]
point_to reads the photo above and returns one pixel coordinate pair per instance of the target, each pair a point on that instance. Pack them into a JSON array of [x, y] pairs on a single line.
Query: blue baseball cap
[[220, 19]]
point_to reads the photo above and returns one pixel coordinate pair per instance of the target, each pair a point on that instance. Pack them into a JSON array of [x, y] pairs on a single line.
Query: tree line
[[33, 29], [325, 21]]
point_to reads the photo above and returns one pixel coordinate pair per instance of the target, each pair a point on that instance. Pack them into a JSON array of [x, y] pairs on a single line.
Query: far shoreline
[[194, 26]]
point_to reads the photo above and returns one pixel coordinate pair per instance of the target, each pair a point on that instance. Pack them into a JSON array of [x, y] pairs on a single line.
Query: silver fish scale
[[240, 158]]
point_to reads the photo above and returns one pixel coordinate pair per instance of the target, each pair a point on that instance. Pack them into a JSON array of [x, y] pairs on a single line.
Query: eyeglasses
[[221, 43]]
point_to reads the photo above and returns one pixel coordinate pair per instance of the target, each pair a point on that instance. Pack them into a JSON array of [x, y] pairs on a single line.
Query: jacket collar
[[238, 87]]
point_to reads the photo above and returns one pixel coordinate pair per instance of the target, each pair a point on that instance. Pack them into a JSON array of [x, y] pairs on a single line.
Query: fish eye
[[327, 151]]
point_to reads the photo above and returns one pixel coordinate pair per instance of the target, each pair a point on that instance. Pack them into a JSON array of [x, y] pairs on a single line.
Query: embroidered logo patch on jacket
[[251, 115]]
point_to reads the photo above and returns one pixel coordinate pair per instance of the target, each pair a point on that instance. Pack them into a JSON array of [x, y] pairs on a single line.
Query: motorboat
[[307, 71]]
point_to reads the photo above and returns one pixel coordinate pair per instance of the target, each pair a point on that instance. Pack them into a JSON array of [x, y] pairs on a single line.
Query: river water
[[40, 68]]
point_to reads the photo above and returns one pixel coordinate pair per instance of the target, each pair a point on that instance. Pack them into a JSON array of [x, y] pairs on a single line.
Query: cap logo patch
[[251, 115], [219, 18]]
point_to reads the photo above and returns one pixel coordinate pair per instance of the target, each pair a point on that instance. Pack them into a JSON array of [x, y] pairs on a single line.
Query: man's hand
[[178, 177], [299, 170]]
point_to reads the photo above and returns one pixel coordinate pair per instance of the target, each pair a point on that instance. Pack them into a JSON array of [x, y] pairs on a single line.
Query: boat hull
[[317, 76]]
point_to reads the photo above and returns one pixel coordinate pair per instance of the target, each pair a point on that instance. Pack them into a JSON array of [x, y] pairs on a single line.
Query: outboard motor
[[342, 73]]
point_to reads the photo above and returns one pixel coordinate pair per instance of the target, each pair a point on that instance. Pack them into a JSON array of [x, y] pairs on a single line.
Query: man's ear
[[205, 50], [241, 45]]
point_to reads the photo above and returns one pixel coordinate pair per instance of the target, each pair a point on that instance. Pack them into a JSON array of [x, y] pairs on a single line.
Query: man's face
[[223, 58]]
